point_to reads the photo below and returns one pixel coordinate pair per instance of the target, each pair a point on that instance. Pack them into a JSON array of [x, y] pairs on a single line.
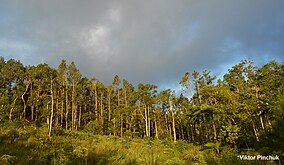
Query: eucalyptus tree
[[12, 86], [270, 80], [64, 97], [102, 91], [74, 77], [84, 101], [242, 80], [51, 73], [146, 101]]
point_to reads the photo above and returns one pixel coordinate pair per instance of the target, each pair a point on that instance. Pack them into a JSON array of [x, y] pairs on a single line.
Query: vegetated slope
[[243, 112], [32, 145]]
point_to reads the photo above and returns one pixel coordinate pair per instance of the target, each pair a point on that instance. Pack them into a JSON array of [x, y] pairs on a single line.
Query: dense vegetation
[[56, 116]]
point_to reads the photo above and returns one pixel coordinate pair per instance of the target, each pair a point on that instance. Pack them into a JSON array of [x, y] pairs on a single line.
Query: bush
[[12, 135], [7, 159], [193, 155], [58, 131]]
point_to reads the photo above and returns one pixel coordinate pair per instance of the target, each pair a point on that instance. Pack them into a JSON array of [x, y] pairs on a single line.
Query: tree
[[63, 85], [186, 83], [145, 93], [74, 77], [12, 84]]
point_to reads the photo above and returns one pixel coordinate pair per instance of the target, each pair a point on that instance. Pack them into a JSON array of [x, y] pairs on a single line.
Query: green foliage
[[212, 146], [72, 147], [230, 133], [244, 110]]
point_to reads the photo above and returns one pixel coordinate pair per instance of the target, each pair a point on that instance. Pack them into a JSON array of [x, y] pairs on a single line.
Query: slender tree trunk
[[96, 101], [174, 126], [114, 126], [80, 117], [109, 108], [173, 121], [102, 115], [146, 121], [269, 122], [67, 106], [61, 113], [11, 110], [73, 105], [32, 111], [156, 126], [76, 116], [23, 99], [261, 121], [52, 105], [33, 103], [62, 102], [149, 121], [57, 111], [255, 131]]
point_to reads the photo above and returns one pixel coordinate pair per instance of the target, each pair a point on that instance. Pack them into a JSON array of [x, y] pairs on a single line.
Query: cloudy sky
[[149, 41]]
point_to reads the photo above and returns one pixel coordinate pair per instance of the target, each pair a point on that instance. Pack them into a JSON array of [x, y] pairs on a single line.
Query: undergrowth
[[31, 145]]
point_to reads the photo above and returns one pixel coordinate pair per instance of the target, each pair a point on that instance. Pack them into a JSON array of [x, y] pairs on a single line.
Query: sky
[[149, 41]]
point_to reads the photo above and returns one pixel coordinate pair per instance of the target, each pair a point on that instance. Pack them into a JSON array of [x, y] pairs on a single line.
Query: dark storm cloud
[[142, 41]]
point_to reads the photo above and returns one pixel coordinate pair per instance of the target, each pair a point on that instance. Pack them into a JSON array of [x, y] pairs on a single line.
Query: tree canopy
[[244, 109]]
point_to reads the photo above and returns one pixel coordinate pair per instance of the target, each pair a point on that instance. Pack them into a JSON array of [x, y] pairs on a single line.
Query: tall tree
[[74, 77]]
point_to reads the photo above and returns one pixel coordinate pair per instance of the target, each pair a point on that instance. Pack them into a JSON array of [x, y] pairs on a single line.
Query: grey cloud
[[143, 41]]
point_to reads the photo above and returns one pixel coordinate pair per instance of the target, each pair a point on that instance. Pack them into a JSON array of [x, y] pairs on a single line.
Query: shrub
[[7, 159]]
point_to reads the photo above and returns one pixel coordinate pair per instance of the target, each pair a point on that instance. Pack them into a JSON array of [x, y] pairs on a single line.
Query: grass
[[31, 145]]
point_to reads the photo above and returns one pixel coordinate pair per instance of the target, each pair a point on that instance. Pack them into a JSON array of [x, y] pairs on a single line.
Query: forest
[[57, 116]]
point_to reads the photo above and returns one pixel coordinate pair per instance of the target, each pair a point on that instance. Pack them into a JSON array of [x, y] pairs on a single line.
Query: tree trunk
[[52, 105], [109, 108], [102, 115], [57, 111], [174, 126], [96, 101], [73, 105], [11, 110], [156, 126], [80, 117], [67, 106], [269, 122], [173, 121], [146, 121], [255, 131], [61, 113], [114, 126], [33, 103], [261, 121], [24, 101], [149, 121]]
